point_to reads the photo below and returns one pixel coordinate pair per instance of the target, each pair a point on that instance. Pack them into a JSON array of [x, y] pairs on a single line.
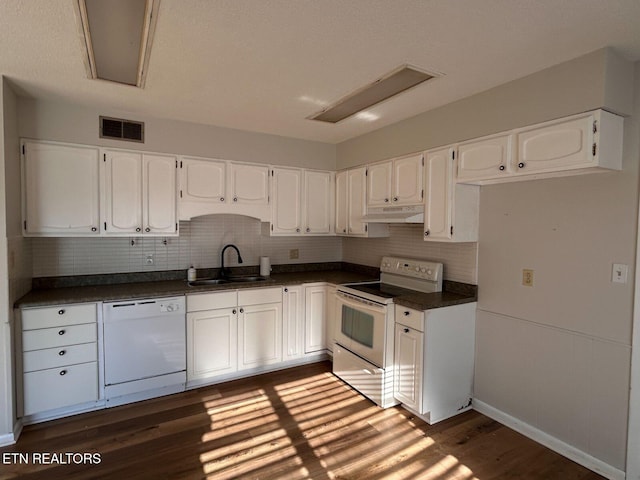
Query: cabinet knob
[[61, 311], [308, 229], [138, 229], [501, 168], [63, 372], [235, 199], [386, 200], [222, 199], [147, 229], [61, 332], [406, 313], [242, 310], [406, 330], [94, 229], [286, 290], [234, 311], [521, 165], [426, 234], [62, 352], [297, 230], [344, 230], [395, 199]]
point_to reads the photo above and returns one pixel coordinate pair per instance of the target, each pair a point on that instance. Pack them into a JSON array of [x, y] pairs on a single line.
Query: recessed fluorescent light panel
[[118, 35], [393, 83]]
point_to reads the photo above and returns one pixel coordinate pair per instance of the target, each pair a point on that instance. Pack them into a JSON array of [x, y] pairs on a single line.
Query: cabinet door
[[379, 184], [342, 203], [408, 367], [212, 343], [123, 192], [259, 335], [314, 319], [203, 180], [555, 146], [407, 180], [356, 186], [439, 194], [318, 202], [249, 184], [60, 191], [286, 209], [159, 201], [292, 322], [484, 158]]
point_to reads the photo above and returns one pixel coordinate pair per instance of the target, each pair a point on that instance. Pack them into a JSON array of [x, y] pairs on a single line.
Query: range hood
[[413, 214]]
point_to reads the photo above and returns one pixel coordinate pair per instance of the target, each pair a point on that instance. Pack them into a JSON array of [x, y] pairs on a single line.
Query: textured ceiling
[[266, 65]]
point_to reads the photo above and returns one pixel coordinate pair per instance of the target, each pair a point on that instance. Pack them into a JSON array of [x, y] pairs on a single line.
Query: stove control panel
[[411, 267]]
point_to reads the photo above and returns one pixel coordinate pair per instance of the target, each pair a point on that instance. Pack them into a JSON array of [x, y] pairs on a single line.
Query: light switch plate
[[619, 273], [527, 277]]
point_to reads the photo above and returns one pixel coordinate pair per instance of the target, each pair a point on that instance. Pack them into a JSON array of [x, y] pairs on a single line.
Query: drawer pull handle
[[62, 352], [61, 312], [406, 330], [61, 332], [63, 372]]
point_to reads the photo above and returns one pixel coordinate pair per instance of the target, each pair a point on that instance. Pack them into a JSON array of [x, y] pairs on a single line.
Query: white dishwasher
[[144, 349]]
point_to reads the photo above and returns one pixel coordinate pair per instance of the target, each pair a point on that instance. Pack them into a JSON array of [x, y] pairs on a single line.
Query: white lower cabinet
[[330, 317], [292, 322], [59, 361], [434, 360], [315, 304], [260, 335]]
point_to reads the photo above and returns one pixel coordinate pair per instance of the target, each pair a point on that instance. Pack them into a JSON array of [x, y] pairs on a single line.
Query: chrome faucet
[[223, 271]]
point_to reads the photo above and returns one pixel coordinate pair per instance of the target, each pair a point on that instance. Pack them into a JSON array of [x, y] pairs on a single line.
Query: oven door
[[361, 327]]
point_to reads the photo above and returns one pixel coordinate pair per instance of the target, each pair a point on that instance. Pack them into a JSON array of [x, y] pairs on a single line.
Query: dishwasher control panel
[[168, 307]]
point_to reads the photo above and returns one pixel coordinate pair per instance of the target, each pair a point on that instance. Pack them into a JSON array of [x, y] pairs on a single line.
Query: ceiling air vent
[[393, 83], [120, 129]]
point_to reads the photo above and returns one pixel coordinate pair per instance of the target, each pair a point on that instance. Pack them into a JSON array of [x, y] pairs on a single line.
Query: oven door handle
[[354, 302]]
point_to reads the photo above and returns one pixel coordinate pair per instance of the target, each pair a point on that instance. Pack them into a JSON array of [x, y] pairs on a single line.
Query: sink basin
[[246, 279], [208, 281], [222, 281]]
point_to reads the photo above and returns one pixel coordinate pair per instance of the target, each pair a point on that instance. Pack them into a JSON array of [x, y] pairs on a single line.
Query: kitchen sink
[[208, 281], [223, 281]]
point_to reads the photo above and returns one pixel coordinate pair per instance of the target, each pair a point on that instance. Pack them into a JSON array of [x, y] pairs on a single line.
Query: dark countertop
[[454, 292], [165, 288]]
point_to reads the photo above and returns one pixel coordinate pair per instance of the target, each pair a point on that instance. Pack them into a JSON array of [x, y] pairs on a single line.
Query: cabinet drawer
[[259, 296], [34, 318], [410, 317], [212, 301], [59, 336], [59, 357], [60, 387]]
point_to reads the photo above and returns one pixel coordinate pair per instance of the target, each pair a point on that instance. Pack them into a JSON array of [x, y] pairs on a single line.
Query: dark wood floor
[[294, 424]]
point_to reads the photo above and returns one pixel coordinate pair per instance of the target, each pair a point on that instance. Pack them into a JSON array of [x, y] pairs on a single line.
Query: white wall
[[79, 124], [554, 357]]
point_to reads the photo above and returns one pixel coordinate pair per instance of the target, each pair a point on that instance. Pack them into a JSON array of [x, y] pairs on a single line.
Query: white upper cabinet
[[302, 202], [395, 182], [379, 184], [60, 194], [286, 211], [585, 143], [351, 205], [451, 210], [159, 194], [139, 194], [203, 180], [318, 202], [248, 184], [487, 157]]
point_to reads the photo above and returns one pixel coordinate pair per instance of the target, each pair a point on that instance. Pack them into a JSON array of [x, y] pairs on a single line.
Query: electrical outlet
[[619, 273], [294, 253], [149, 259], [527, 277]]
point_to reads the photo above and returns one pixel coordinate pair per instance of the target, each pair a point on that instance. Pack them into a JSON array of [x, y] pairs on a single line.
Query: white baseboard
[[572, 453], [11, 438]]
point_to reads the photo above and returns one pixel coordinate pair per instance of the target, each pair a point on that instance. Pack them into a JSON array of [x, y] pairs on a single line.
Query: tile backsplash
[[199, 244], [202, 239]]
